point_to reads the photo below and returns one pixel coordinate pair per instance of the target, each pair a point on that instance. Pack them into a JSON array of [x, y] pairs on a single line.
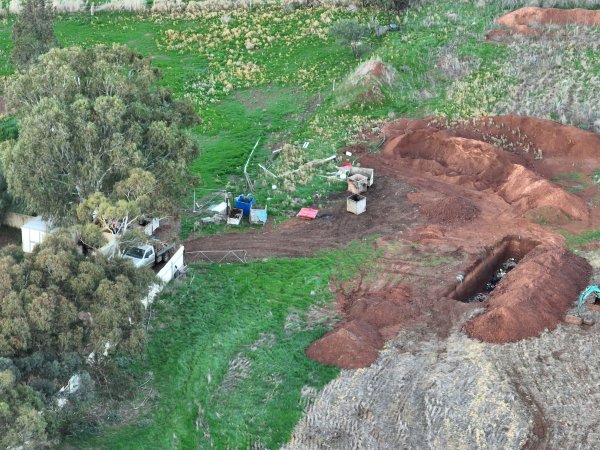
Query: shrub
[[353, 34]]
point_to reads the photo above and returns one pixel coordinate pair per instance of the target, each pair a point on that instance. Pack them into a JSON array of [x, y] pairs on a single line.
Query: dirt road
[[389, 209]]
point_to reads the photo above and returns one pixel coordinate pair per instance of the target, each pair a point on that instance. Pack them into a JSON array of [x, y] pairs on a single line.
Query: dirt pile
[[532, 297], [353, 345], [367, 85], [528, 21], [371, 318], [480, 165], [450, 210], [373, 71]]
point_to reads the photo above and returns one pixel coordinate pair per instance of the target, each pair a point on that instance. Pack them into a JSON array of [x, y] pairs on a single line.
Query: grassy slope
[[222, 313]]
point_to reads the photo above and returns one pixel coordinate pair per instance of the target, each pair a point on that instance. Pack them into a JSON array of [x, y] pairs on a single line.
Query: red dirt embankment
[[525, 20], [475, 194], [480, 166], [532, 297]]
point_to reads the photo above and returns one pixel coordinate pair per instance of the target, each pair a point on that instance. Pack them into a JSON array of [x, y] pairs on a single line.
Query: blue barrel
[[244, 203]]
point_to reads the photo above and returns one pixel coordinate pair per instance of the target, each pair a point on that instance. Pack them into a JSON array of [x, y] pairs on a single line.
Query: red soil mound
[[477, 164], [371, 319], [452, 209], [532, 297], [523, 21], [353, 345]]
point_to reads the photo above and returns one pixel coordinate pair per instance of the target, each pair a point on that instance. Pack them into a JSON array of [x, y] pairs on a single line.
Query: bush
[[353, 34]]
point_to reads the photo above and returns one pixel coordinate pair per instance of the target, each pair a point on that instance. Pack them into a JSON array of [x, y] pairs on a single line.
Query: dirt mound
[[367, 85], [354, 344], [527, 21], [532, 297], [373, 71], [482, 166], [452, 209], [372, 317]]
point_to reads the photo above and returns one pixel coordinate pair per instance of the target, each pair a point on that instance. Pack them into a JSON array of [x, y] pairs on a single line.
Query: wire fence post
[[248, 180]]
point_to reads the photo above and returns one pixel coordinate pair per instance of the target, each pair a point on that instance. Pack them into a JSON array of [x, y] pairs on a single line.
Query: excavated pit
[[482, 277]]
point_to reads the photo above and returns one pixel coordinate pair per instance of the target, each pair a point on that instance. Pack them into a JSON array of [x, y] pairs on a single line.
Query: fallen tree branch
[[305, 166]]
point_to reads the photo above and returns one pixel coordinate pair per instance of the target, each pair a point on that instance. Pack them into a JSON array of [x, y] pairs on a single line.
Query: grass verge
[[227, 354]]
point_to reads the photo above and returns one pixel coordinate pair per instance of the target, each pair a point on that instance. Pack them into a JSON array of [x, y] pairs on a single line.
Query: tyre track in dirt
[[389, 211]]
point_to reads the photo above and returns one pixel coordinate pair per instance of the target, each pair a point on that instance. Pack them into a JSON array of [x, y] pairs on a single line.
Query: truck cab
[[141, 255]]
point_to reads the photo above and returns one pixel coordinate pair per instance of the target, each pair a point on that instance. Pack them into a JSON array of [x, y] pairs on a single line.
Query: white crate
[[357, 184], [356, 204]]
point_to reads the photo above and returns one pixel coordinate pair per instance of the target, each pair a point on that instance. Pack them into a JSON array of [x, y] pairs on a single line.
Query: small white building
[[33, 232]]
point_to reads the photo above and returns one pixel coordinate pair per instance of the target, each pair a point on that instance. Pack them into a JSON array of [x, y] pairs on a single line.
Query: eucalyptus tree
[[99, 138]]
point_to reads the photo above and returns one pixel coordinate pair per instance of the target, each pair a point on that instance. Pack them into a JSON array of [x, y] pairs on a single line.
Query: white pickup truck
[[147, 256]]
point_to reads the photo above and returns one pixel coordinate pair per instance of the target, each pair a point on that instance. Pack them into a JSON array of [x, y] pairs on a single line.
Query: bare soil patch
[[528, 21], [452, 209], [333, 227]]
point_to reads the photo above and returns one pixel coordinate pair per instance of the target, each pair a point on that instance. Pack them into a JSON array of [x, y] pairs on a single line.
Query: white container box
[[356, 204], [357, 184]]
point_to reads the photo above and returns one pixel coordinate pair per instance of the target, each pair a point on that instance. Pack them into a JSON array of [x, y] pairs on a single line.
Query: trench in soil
[[482, 277]]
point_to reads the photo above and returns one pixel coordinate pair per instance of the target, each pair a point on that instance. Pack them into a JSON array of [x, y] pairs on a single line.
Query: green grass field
[[281, 89], [226, 354]]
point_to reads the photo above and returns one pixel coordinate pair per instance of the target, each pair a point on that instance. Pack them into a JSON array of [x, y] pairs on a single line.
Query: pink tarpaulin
[[308, 213]]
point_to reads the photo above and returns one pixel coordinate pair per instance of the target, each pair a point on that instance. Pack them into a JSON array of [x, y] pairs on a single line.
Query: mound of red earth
[[371, 319], [532, 297], [353, 345], [525, 20], [474, 193], [480, 166], [450, 210]]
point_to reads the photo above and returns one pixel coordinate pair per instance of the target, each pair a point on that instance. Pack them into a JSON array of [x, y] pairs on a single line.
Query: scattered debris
[[500, 273], [258, 215], [366, 172], [588, 321], [573, 320], [245, 203], [220, 208], [235, 216], [248, 180]]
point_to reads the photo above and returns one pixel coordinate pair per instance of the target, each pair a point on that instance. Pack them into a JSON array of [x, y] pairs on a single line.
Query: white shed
[[33, 232]]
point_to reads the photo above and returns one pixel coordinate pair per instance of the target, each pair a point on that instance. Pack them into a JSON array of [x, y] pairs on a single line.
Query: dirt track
[[335, 226]]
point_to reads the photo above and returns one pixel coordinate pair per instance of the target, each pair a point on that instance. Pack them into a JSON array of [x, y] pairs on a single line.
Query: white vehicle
[[147, 256]]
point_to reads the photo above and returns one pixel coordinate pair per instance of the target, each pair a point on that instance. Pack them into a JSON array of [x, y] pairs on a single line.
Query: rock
[[589, 321], [573, 320]]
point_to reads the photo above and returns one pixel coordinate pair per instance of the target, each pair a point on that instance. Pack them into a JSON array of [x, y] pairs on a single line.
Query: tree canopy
[[33, 32], [54, 299], [56, 307], [97, 133]]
